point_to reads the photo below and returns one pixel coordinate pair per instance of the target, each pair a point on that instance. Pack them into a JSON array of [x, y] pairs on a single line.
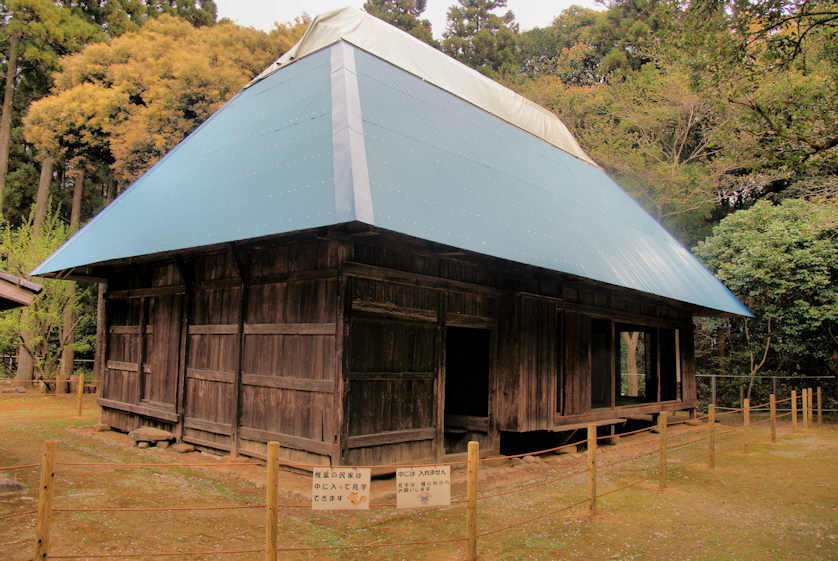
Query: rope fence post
[[811, 406], [794, 410], [663, 426], [592, 467], [803, 419], [746, 425], [820, 406], [45, 493], [711, 427], [471, 497], [79, 393], [271, 480], [806, 408], [772, 402]]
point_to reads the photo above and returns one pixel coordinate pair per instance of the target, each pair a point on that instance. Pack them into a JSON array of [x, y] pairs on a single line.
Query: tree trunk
[[25, 363], [631, 362], [6, 119], [42, 199], [68, 353]]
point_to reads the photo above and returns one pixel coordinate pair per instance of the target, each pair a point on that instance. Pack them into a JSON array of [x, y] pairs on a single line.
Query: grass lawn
[[778, 502]]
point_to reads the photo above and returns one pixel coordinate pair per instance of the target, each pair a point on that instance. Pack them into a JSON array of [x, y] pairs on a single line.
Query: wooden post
[[820, 406], [79, 393], [711, 427], [271, 480], [773, 406], [793, 410], [592, 467], [45, 500], [805, 408], [741, 396], [663, 425], [746, 424], [471, 497], [811, 408], [713, 389]]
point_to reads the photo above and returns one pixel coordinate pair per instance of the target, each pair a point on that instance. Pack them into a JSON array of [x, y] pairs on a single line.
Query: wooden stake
[[471, 497], [711, 427], [793, 410], [811, 408], [820, 406], [592, 468], [746, 425], [741, 396], [79, 394], [45, 500], [805, 408], [773, 406], [271, 480], [663, 426]]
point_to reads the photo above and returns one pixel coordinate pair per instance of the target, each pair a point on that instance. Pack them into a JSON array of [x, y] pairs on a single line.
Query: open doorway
[[467, 358]]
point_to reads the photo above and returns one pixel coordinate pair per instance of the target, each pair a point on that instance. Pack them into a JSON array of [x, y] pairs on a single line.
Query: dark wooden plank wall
[[538, 362], [391, 377], [287, 338]]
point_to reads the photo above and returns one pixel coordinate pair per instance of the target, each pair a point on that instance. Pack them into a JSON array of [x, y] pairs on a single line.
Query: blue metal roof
[[281, 155]]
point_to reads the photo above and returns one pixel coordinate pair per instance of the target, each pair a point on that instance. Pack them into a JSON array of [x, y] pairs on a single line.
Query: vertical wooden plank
[[180, 396], [658, 361], [794, 410], [142, 342], [772, 402], [235, 402], [615, 353], [439, 388], [338, 397]]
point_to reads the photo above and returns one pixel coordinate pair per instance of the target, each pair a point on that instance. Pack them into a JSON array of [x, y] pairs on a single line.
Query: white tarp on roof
[[408, 53]]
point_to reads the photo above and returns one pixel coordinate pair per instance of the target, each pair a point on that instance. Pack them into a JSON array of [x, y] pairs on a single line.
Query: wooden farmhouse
[[373, 254]]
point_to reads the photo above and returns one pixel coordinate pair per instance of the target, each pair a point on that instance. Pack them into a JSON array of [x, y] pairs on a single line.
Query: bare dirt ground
[[778, 502]]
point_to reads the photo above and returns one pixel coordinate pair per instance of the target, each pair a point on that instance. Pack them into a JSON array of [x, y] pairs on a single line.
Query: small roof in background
[[16, 292], [342, 135]]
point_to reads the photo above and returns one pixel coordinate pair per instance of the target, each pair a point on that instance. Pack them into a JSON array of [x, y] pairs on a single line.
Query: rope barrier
[[624, 487], [142, 465], [532, 519], [15, 468], [154, 554], [545, 451], [16, 514], [543, 482], [153, 509]]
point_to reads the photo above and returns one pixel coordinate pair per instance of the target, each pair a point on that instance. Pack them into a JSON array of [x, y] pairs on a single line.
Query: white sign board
[[423, 486], [340, 489]]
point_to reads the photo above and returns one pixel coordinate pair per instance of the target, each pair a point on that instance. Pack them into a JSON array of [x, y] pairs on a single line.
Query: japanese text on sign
[[340, 489], [423, 486]]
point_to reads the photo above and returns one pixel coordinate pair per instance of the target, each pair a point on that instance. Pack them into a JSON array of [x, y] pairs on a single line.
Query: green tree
[[128, 102], [405, 15], [782, 262], [36, 33], [771, 67], [39, 328], [480, 38]]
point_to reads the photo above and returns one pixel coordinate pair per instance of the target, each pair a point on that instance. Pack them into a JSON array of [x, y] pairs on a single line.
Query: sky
[[262, 14]]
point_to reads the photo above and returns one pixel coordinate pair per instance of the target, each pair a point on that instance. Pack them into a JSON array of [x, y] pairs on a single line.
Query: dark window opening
[[637, 364], [600, 363], [467, 356], [670, 370]]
